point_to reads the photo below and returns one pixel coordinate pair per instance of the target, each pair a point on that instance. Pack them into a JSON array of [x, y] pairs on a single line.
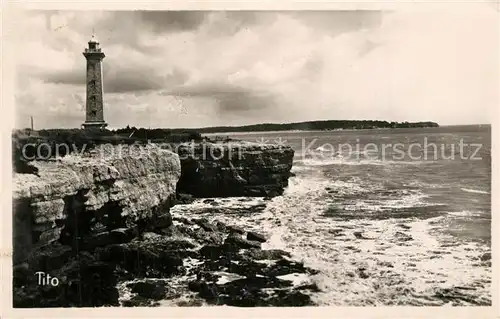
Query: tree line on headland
[[299, 126], [317, 126]]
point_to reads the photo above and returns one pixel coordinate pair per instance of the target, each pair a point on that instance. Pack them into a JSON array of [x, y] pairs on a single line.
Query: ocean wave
[[467, 213], [469, 190], [350, 160]]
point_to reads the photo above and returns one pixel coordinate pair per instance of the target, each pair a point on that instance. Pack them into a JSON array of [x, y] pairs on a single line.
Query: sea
[[387, 216]]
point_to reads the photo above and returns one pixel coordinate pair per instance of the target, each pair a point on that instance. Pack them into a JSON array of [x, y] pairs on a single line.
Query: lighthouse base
[[94, 125]]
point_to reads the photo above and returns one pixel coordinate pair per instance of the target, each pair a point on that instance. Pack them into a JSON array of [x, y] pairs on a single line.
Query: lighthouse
[[94, 108]]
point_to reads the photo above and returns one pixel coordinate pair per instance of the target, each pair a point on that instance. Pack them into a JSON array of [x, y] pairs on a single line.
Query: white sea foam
[[469, 190], [466, 213], [363, 262]]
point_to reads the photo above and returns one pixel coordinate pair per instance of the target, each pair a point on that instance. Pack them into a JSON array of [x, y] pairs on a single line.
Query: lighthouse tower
[[94, 117]]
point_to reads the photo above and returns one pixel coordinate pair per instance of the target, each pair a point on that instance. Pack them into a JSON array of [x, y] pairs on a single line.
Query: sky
[[209, 68]]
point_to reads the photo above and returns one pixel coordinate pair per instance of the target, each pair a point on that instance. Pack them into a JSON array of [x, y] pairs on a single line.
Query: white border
[[8, 31]]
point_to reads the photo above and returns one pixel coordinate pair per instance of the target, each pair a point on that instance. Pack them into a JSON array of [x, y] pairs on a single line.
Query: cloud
[[162, 21], [191, 69], [229, 98]]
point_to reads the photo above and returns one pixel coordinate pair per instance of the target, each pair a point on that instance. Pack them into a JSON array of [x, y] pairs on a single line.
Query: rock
[[81, 284], [139, 301], [234, 169], [402, 236], [155, 290], [183, 220], [110, 188], [221, 227], [358, 235], [235, 229], [458, 297], [212, 251], [237, 242], [336, 231], [251, 292], [485, 257], [201, 235], [362, 273], [50, 257], [184, 199], [271, 254], [116, 236], [205, 225], [256, 237], [146, 258], [385, 264], [162, 221]]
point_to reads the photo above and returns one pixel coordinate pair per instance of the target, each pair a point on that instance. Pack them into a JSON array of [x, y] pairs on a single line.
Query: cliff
[[234, 169], [87, 197], [111, 192], [101, 224]]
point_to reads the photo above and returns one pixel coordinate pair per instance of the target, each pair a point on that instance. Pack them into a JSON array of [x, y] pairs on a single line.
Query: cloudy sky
[[195, 69]]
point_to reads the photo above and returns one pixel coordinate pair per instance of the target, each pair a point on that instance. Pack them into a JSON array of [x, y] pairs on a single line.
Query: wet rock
[[485, 257], [184, 199], [155, 290], [183, 220], [235, 229], [458, 297], [402, 236], [50, 257], [212, 251], [201, 235], [336, 231], [205, 225], [311, 287], [148, 258], [151, 236], [116, 236], [256, 237], [362, 273], [221, 226], [358, 235], [251, 292], [162, 221], [385, 264], [139, 301], [284, 267], [237, 242], [271, 254]]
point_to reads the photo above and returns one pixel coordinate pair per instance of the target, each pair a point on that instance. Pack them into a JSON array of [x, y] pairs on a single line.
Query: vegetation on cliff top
[[317, 125]]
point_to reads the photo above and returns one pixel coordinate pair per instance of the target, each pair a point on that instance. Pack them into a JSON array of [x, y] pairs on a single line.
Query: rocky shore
[[102, 226]]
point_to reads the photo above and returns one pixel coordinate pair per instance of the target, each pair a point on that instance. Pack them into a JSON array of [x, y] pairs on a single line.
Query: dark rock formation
[[102, 219], [228, 272], [234, 169], [85, 200]]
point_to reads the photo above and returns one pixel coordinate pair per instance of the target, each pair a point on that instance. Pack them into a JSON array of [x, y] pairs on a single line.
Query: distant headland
[[315, 126]]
